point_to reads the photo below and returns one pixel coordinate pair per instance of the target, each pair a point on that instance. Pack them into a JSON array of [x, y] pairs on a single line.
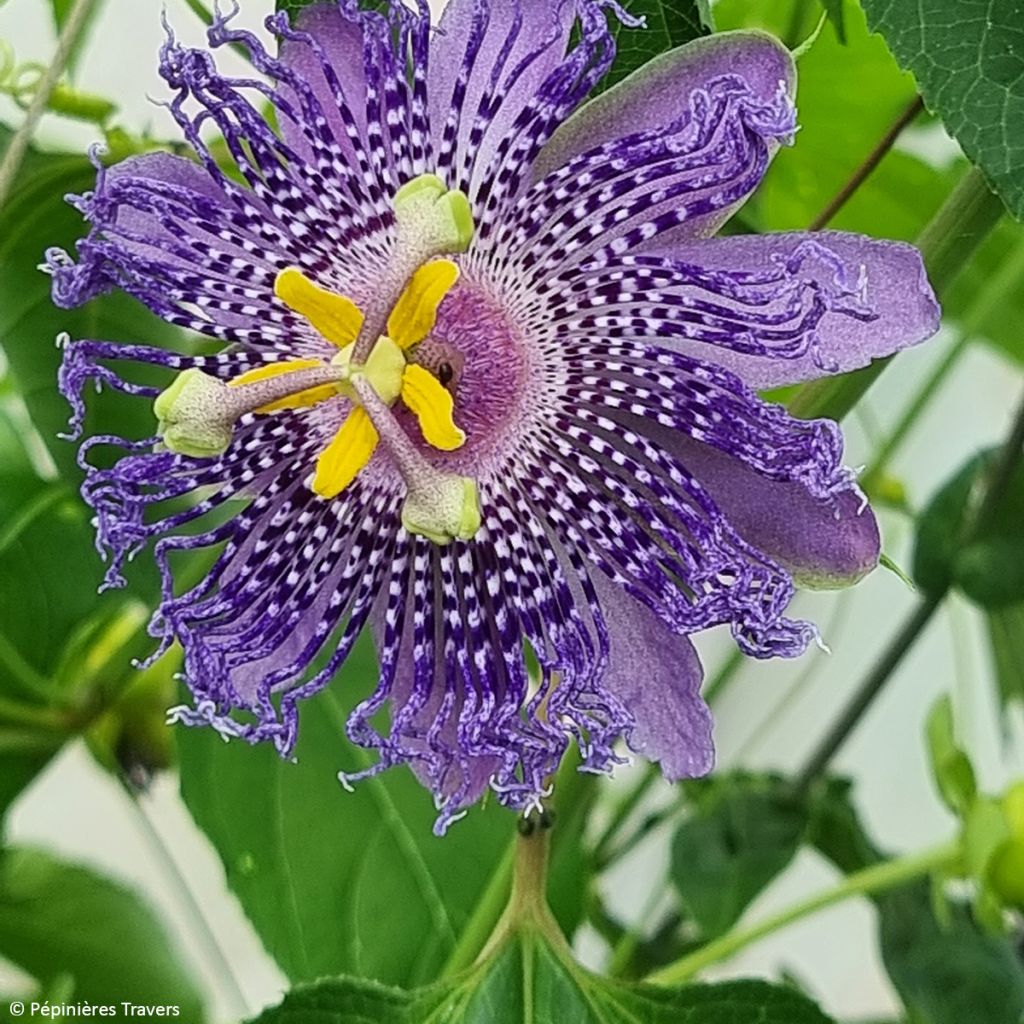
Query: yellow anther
[[439, 220], [415, 313], [299, 400], [336, 317], [432, 405], [346, 455]]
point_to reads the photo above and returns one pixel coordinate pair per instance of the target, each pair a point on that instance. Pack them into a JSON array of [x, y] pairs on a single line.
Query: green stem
[[888, 448], [573, 795], [485, 916], [623, 809], [947, 242], [724, 676], [830, 633], [19, 713], [201, 11], [47, 84], [1009, 273], [527, 910], [879, 675], [874, 879]]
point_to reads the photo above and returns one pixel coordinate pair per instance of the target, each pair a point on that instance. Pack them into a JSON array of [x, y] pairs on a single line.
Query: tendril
[[21, 81]]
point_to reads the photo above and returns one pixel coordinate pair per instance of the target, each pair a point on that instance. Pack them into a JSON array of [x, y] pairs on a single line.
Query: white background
[[78, 812]]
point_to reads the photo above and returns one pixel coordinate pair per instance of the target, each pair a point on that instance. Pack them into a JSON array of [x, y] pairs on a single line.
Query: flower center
[[372, 368]]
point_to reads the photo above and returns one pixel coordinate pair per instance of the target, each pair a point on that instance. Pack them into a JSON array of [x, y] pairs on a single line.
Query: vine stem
[[23, 136], [874, 879], [997, 484], [201, 11], [870, 162], [879, 675], [195, 911], [947, 242]]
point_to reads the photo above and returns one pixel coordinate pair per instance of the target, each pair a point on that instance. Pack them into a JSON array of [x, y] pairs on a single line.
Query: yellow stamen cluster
[[197, 415], [392, 377]]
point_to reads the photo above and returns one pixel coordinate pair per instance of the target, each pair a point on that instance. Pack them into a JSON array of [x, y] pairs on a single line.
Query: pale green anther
[[437, 219], [447, 510], [192, 415]]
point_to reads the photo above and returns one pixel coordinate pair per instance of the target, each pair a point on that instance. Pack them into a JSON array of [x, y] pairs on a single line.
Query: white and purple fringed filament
[[603, 353]]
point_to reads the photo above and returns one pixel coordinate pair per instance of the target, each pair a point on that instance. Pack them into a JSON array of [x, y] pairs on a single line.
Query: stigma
[[374, 367]]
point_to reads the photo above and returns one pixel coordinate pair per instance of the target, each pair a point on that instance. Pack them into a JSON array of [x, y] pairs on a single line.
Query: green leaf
[[670, 23], [338, 882], [1006, 640], [946, 972], [969, 65], [901, 194], [44, 594], [990, 569], [744, 832], [19, 768], [528, 981], [292, 7], [65, 653], [951, 768], [35, 218], [58, 919], [952, 972]]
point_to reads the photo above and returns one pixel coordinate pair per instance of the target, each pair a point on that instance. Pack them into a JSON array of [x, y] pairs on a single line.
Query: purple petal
[[887, 280], [824, 542], [655, 96], [487, 63], [657, 675], [340, 41]]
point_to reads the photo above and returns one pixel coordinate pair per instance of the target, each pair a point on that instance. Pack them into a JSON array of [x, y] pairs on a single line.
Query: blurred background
[[68, 795]]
